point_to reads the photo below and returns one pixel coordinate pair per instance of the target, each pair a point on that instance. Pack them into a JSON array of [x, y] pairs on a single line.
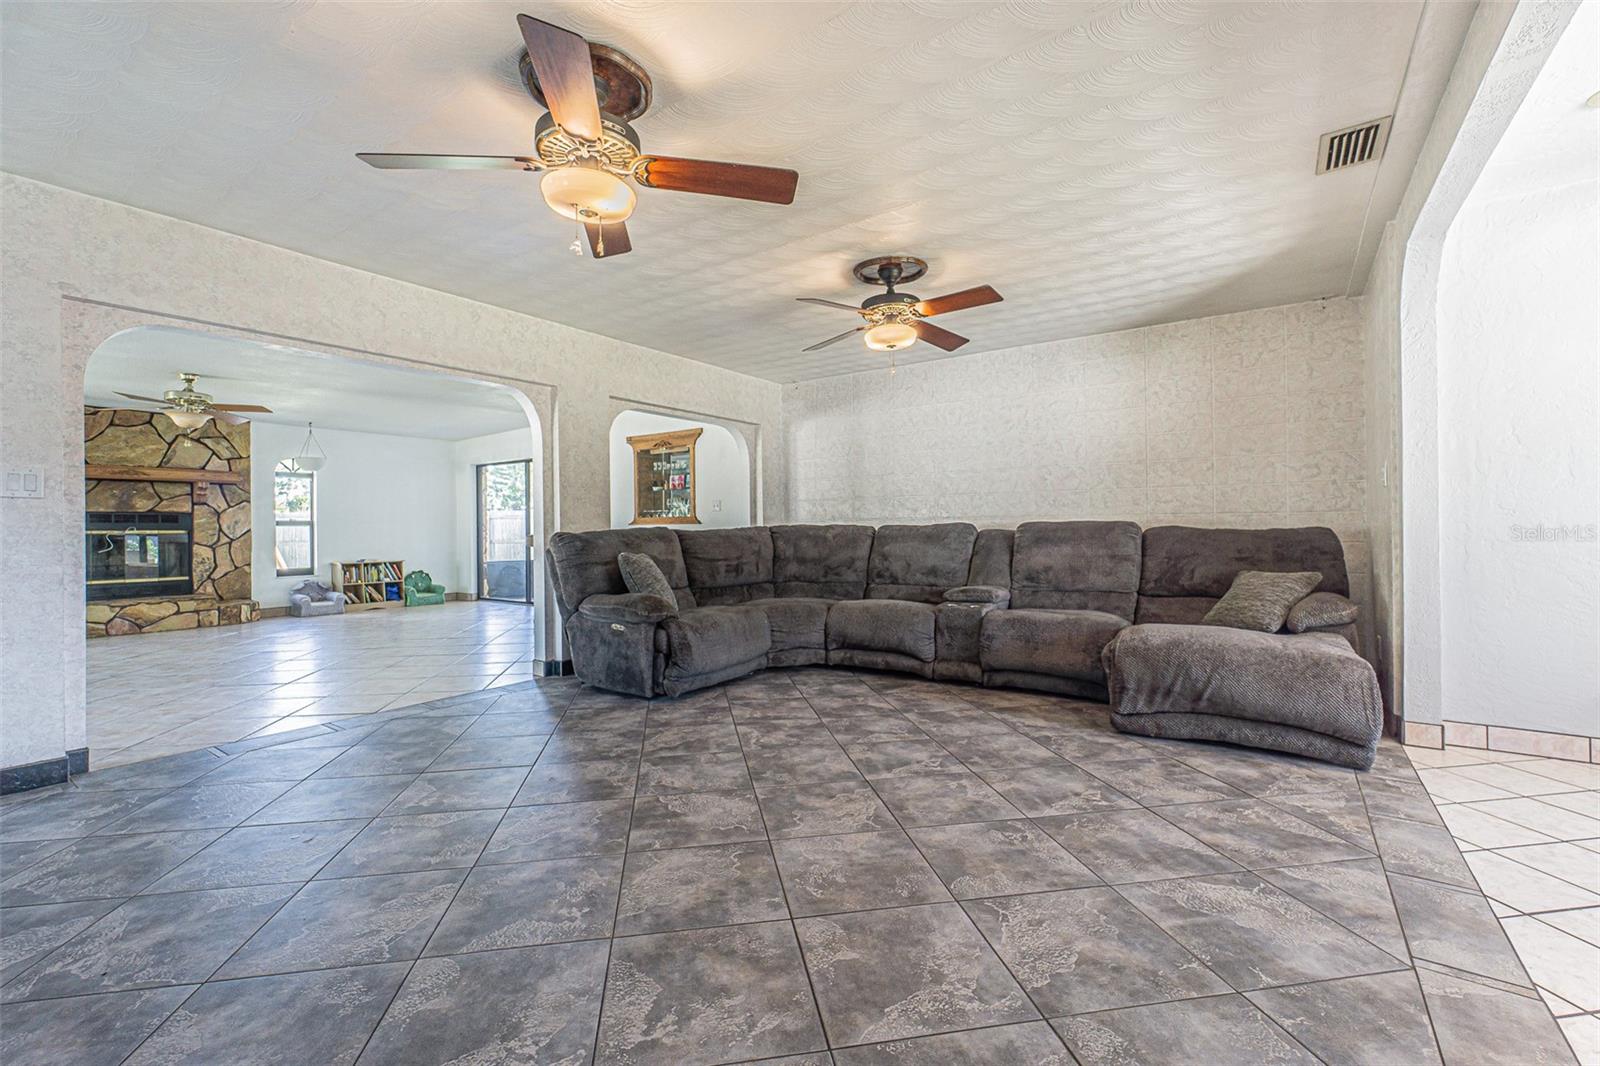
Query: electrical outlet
[[716, 505], [25, 484]]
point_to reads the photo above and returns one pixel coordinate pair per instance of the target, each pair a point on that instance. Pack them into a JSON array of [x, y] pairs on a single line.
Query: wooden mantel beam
[[96, 472]]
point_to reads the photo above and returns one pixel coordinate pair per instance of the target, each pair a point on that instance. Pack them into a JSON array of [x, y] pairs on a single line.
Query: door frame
[[481, 569]]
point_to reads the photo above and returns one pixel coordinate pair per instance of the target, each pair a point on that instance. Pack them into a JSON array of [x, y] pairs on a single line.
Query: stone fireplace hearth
[[121, 447]]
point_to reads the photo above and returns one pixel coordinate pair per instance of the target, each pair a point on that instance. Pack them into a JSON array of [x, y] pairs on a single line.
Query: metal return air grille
[[1353, 145]]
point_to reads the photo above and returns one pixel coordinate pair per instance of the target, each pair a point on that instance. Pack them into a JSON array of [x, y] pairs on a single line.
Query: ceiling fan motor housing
[[883, 300], [615, 151], [188, 398]]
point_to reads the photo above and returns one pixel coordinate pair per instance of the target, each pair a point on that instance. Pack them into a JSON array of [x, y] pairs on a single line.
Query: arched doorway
[[397, 487]]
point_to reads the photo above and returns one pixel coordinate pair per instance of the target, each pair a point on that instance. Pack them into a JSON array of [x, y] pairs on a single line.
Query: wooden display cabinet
[[664, 477]]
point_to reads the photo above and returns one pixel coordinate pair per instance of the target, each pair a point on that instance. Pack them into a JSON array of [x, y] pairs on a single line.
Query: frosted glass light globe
[[891, 336], [587, 194], [188, 421]]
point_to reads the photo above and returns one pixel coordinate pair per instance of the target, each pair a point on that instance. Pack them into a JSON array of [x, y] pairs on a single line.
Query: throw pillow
[[641, 574], [1321, 610], [1260, 600]]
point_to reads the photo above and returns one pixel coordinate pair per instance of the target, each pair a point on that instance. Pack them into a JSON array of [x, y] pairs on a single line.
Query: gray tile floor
[[162, 693], [812, 864]]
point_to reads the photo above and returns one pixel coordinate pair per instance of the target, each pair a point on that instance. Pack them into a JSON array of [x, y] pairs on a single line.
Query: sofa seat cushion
[[1308, 681], [883, 625], [1059, 643], [796, 622], [705, 640]]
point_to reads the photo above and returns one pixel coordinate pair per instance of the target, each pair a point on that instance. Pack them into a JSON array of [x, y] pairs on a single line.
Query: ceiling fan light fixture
[[588, 194], [891, 336], [188, 421]]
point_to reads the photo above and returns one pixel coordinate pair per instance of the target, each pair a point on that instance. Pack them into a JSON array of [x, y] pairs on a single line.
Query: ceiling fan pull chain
[[577, 241]]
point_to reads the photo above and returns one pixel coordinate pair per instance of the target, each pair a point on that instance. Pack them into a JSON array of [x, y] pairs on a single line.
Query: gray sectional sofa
[[1097, 610]]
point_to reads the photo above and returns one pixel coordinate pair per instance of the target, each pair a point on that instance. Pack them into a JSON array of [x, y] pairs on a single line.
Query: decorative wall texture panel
[[1254, 419]]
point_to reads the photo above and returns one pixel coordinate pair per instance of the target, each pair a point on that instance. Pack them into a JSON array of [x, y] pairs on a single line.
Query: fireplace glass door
[[137, 554]]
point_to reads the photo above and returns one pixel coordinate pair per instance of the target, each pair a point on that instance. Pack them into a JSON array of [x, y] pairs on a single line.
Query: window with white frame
[[294, 515]]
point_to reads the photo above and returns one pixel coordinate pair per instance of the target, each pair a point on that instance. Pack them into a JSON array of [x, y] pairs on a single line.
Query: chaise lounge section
[[1307, 692], [1094, 610]]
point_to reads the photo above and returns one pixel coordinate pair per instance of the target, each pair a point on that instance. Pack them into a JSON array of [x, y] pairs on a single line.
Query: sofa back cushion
[[919, 562], [991, 558], [1076, 566], [586, 563], [1188, 569], [728, 565], [826, 561]]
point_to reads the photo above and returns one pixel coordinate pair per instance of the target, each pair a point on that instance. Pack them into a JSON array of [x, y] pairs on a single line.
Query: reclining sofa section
[[1051, 606], [1308, 693]]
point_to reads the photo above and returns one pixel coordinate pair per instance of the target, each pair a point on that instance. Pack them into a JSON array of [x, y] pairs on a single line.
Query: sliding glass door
[[505, 562]]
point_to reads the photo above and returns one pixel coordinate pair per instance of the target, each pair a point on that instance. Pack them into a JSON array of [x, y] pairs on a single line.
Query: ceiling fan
[[895, 320], [189, 408], [586, 147]]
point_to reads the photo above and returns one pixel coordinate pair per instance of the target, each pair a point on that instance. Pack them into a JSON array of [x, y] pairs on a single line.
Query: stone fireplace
[[167, 524]]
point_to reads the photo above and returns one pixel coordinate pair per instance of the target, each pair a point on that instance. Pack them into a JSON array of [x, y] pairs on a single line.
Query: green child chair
[[421, 591]]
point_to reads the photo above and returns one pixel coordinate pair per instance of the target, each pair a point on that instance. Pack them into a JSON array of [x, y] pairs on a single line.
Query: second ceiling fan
[[895, 320], [586, 147]]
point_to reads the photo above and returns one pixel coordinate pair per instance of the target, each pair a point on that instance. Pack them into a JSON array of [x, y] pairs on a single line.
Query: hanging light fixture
[[305, 461], [188, 421]]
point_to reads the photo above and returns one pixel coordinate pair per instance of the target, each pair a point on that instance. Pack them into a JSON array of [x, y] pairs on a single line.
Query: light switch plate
[[25, 484]]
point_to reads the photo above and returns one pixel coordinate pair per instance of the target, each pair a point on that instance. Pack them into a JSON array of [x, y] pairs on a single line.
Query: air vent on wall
[[1352, 145]]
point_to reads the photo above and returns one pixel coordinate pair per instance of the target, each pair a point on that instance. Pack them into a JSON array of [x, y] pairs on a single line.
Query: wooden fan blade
[[253, 407], [829, 303], [938, 336], [834, 340], [768, 184], [223, 416], [394, 161], [958, 301], [143, 399], [613, 236], [561, 59]]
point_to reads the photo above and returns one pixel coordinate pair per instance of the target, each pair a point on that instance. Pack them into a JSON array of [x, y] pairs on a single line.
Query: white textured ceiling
[[1103, 165], [299, 386]]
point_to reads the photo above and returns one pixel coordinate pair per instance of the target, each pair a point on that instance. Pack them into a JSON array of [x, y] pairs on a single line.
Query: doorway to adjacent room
[[505, 531]]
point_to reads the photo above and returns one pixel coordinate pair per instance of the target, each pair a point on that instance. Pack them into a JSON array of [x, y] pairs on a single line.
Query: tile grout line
[[399, 987], [794, 928], [622, 877]]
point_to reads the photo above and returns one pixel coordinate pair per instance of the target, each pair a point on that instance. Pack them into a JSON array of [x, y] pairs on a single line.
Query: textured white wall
[[379, 497], [1381, 330], [68, 259], [1504, 47], [1250, 420], [721, 467], [1519, 462]]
